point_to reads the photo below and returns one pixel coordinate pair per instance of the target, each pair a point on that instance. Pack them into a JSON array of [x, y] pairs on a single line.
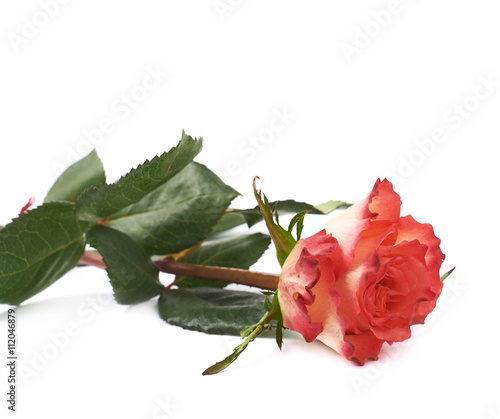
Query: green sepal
[[298, 220], [268, 306], [247, 330], [249, 333], [447, 274], [283, 240], [279, 319], [252, 216], [222, 365]]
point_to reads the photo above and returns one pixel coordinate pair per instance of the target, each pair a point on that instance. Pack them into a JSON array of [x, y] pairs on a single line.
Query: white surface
[[348, 123]]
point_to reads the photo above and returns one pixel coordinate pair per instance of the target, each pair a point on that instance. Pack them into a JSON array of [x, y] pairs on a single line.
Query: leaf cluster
[[169, 206]]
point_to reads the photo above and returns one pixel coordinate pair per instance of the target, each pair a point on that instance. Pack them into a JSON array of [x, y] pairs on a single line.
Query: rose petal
[[325, 308], [360, 348], [409, 229], [385, 202], [299, 275], [360, 230]]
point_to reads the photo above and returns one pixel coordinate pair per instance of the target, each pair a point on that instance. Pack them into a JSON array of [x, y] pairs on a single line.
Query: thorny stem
[[209, 273]]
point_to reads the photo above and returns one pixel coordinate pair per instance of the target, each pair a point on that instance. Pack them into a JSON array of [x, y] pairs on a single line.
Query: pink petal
[[360, 348], [299, 275]]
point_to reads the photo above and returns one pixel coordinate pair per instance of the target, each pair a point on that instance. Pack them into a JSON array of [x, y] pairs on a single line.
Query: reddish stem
[[209, 273], [216, 273]]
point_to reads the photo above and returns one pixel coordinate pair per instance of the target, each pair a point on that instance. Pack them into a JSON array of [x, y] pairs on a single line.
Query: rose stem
[[216, 273], [209, 273]]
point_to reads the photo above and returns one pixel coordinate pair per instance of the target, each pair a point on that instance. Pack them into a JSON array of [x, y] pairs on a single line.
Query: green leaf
[[252, 216], [289, 206], [133, 275], [99, 203], [75, 179], [211, 310], [234, 252], [228, 221], [38, 248], [177, 215], [328, 207]]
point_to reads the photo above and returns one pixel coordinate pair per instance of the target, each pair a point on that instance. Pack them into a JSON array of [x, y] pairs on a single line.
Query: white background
[[360, 96]]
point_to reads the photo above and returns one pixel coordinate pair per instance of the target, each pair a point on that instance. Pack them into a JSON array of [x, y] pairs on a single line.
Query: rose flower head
[[364, 279]]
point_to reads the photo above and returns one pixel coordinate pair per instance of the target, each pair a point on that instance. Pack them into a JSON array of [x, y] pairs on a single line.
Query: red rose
[[364, 279]]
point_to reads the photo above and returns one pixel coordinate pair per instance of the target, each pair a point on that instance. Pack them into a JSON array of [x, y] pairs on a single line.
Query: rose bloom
[[364, 279]]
